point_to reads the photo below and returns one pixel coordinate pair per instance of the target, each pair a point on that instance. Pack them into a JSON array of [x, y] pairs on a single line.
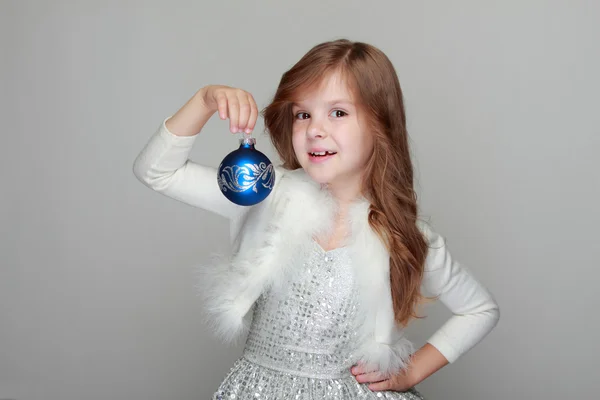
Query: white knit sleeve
[[163, 166], [475, 310]]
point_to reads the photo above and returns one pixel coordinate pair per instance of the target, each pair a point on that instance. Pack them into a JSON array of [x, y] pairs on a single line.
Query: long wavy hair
[[388, 178]]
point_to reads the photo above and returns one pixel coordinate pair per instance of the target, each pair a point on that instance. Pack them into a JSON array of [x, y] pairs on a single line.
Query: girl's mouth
[[320, 156]]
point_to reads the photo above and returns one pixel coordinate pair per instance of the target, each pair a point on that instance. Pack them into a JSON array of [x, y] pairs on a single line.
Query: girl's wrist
[[200, 98], [414, 375], [424, 363]]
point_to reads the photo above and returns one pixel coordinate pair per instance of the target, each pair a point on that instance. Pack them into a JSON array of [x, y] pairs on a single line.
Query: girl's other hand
[[377, 381]]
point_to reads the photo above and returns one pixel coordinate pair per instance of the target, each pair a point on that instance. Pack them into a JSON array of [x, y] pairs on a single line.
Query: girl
[[325, 273]]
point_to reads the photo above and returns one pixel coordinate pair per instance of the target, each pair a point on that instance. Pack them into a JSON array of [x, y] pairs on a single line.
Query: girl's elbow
[[150, 177], [494, 314], [141, 172]]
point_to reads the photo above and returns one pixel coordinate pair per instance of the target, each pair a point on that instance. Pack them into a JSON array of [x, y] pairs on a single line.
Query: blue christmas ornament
[[246, 176]]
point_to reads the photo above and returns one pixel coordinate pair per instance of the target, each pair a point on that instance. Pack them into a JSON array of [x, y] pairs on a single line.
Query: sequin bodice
[[304, 326]]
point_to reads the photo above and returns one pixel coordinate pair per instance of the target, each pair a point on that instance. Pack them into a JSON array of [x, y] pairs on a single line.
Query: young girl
[[325, 273]]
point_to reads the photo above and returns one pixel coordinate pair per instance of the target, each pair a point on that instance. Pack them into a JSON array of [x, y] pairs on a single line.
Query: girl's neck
[[344, 194]]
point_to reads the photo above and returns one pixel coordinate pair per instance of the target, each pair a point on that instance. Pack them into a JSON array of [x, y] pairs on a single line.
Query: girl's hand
[[236, 104], [424, 362], [400, 382]]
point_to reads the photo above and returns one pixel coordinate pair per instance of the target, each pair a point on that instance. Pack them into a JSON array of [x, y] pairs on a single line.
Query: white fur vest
[[265, 239]]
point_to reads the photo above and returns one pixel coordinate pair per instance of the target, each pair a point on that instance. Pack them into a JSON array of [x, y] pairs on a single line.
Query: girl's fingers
[[222, 105], [237, 105], [358, 369], [244, 111], [371, 377], [253, 114], [234, 113]]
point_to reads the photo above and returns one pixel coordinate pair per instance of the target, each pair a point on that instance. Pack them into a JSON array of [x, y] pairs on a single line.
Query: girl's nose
[[315, 129]]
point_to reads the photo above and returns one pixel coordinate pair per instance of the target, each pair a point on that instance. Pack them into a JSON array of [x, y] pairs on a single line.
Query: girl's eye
[[302, 115], [338, 113]]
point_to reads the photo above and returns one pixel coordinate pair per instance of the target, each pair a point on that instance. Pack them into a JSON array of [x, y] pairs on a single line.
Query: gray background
[[96, 277]]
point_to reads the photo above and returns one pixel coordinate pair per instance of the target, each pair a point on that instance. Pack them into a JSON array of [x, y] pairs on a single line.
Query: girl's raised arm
[[163, 164]]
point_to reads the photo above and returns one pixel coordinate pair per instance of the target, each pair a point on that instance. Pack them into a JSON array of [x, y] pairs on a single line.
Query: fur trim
[[382, 346], [225, 314], [385, 358]]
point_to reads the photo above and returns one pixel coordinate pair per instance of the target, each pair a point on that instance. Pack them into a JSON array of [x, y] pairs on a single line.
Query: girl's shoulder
[[293, 179], [291, 174]]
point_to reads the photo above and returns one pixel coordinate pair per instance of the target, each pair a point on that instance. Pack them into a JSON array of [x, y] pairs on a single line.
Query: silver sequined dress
[[299, 343]]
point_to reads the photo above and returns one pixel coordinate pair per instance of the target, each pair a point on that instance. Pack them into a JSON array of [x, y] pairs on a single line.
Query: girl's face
[[330, 138]]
